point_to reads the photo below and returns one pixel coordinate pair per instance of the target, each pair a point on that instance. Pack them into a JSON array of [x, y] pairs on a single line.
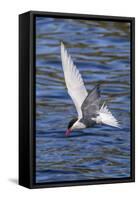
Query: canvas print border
[[27, 51]]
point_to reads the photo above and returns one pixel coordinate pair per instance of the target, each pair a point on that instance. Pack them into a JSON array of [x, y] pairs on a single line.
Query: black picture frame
[[27, 99]]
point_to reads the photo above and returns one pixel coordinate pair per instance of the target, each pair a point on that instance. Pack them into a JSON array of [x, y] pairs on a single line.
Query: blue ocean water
[[101, 52]]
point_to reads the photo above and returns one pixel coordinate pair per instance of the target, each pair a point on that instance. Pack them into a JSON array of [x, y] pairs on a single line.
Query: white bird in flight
[[87, 104]]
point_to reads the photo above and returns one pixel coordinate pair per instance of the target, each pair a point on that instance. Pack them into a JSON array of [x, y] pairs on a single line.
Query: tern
[[87, 103]]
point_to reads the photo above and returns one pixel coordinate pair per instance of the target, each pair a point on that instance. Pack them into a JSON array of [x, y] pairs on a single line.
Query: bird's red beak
[[68, 132]]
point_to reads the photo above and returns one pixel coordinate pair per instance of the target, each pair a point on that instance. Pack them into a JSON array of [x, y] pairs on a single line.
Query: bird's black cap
[[72, 122]]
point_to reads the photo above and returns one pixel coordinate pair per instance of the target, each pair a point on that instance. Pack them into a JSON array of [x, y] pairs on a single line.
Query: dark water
[[101, 51]]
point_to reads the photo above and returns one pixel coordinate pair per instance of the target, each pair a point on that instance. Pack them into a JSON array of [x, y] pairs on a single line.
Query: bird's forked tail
[[106, 117]]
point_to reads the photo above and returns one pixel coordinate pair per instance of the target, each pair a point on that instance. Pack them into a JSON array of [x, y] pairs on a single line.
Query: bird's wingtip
[[61, 43], [97, 86]]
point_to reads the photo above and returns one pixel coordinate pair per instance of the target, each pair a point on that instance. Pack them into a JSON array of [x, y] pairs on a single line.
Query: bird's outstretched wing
[[90, 106], [74, 81]]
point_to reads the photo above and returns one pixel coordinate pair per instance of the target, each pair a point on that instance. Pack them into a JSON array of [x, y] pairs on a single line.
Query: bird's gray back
[[90, 105], [88, 122]]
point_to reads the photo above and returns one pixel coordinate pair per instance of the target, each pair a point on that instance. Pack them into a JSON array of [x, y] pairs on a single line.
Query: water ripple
[[101, 51]]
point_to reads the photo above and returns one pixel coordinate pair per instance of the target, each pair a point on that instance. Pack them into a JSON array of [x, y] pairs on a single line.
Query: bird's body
[[87, 104]]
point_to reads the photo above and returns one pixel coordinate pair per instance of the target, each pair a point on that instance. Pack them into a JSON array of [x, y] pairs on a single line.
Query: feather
[[106, 117], [74, 81]]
